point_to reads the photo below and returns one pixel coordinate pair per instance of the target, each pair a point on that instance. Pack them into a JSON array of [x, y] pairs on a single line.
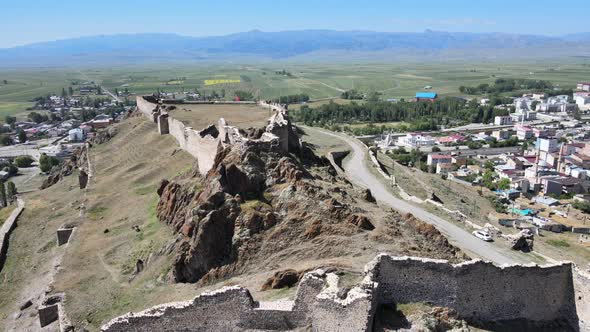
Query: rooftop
[[426, 95]]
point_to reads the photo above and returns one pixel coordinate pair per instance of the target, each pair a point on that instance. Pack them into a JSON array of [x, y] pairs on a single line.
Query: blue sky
[[27, 21]]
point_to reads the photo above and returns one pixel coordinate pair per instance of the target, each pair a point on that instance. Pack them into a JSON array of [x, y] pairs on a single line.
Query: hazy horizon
[[50, 21]]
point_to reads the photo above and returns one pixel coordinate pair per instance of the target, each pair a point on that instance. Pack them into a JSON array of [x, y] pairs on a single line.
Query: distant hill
[[305, 44]]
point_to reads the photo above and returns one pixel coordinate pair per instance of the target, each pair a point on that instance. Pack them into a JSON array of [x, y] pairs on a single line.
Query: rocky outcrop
[[78, 160], [282, 279]]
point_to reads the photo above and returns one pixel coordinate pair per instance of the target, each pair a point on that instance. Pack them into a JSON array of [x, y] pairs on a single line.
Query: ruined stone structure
[[7, 228], [204, 144], [63, 235], [480, 292]]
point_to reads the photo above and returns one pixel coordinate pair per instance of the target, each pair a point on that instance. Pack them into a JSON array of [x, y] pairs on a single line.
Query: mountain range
[[298, 45]]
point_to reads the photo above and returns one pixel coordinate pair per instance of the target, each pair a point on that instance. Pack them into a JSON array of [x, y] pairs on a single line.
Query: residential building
[[443, 168], [523, 132], [435, 158], [76, 135], [584, 86], [415, 140], [501, 134], [502, 120], [547, 144], [454, 138], [426, 96]]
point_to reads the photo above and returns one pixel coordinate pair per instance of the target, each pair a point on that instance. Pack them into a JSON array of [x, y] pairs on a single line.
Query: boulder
[[522, 240]]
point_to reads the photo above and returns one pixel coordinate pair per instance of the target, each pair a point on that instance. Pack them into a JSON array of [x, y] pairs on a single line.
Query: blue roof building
[[426, 95]]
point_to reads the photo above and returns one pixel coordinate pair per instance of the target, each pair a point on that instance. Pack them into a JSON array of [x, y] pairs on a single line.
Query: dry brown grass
[[200, 116]]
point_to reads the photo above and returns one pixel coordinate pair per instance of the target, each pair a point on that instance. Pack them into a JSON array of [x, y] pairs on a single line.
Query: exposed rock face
[[104, 136], [368, 196], [79, 159], [282, 279], [257, 202]]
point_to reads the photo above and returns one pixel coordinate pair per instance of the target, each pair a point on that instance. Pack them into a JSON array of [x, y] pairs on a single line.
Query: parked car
[[482, 236]]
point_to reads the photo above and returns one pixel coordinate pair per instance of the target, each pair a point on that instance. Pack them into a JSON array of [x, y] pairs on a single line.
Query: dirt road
[[359, 173]]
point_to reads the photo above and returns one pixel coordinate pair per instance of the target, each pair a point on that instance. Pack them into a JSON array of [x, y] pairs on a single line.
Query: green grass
[[322, 80], [559, 243], [96, 212], [144, 190], [5, 213], [18, 109]]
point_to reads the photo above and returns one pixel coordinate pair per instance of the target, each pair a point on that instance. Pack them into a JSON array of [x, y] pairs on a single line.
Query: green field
[[393, 80]]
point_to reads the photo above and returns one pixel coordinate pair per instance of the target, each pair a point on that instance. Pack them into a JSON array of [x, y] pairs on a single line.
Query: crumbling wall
[[479, 291], [7, 228], [146, 107], [582, 296], [203, 149]]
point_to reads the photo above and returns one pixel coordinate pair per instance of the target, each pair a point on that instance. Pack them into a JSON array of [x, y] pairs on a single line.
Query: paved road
[[360, 174]]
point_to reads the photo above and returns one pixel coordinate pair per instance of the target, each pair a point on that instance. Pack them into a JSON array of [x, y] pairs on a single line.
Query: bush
[[46, 163], [23, 161], [583, 206]]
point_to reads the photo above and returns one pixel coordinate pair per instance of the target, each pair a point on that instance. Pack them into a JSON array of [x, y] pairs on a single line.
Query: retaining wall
[[480, 292]]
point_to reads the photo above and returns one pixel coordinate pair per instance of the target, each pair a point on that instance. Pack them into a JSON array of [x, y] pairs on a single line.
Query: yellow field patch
[[214, 82]]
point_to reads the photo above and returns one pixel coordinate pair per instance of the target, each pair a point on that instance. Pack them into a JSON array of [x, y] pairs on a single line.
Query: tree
[[11, 169], [70, 91], [64, 94], [46, 163], [11, 191], [5, 82], [5, 140], [435, 149], [3, 202], [504, 184], [22, 136], [244, 95], [23, 161], [10, 120]]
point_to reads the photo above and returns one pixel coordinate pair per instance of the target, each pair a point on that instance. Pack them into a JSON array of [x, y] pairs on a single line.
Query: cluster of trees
[[292, 99], [7, 193], [352, 94], [46, 163], [414, 158], [9, 167], [37, 117], [424, 115], [507, 85], [244, 95], [283, 73]]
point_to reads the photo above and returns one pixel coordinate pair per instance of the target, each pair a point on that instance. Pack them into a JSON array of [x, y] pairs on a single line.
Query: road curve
[[359, 173]]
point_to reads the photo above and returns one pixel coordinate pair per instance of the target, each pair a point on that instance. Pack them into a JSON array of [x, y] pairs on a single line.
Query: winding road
[[359, 173]]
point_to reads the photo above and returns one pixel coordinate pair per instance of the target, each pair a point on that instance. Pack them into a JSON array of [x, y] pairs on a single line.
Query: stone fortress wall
[[478, 291], [203, 144]]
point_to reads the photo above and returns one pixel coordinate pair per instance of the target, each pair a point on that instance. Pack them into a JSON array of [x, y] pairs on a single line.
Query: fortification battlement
[[479, 291], [203, 144]]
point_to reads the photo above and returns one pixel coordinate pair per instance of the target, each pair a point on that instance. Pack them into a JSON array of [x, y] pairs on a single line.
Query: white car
[[483, 236]]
